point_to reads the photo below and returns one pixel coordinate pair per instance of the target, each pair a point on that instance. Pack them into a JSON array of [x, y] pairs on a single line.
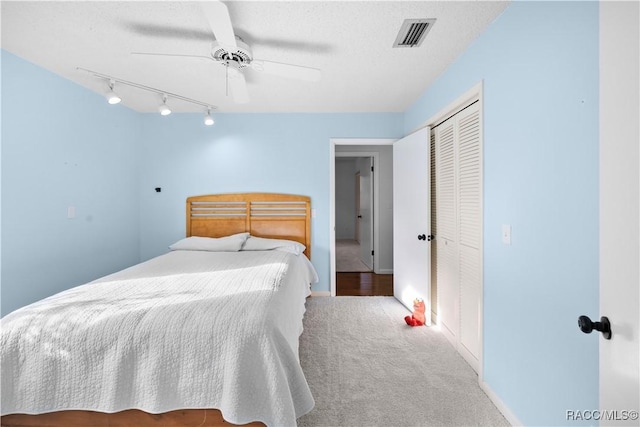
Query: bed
[[204, 335]]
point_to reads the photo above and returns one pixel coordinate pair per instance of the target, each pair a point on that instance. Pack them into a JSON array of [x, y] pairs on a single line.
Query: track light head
[[208, 120], [164, 109], [112, 97]]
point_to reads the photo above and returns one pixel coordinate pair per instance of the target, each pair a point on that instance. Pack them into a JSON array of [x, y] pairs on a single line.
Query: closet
[[457, 224]]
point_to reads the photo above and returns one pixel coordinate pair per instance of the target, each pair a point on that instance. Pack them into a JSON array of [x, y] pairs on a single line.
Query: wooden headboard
[[280, 216]]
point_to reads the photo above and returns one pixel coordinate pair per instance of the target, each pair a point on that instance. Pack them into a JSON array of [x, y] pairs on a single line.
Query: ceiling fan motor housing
[[241, 55]]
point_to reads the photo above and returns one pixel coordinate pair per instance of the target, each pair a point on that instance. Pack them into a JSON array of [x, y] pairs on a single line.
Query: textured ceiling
[[350, 41]]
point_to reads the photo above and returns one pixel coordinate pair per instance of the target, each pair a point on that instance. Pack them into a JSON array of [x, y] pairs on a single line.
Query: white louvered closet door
[[446, 237], [459, 230], [434, 230], [470, 228]]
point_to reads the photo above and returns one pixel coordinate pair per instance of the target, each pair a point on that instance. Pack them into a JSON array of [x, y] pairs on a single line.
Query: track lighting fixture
[[208, 120], [164, 109], [112, 97]]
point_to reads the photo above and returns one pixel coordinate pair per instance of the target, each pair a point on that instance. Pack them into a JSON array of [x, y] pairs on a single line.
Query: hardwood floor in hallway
[[364, 284]]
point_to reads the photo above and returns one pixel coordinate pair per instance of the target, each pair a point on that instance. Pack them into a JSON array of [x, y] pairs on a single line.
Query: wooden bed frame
[[269, 215], [281, 216]]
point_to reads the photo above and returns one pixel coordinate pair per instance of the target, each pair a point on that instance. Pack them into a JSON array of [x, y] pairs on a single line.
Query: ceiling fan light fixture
[[112, 97], [164, 108], [208, 120]]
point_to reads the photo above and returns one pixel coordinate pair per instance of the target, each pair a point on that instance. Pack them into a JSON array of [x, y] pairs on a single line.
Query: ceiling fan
[[233, 53]]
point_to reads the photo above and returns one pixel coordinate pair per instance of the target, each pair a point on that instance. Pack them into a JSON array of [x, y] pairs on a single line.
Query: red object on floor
[[412, 321], [417, 318]]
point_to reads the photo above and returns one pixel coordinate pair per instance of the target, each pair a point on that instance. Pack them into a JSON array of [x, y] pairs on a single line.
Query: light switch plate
[[506, 234]]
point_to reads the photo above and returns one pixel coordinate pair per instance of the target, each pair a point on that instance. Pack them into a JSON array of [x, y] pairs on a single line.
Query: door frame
[[619, 229], [332, 196], [357, 230]]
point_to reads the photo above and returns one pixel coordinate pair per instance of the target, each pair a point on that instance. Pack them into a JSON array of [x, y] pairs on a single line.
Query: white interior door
[[366, 211], [619, 213], [412, 219]]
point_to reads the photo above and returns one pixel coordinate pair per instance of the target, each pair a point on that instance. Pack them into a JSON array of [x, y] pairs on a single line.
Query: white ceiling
[[350, 41]]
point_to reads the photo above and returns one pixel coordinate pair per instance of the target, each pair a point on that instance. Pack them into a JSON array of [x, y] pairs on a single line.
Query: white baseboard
[[504, 409], [384, 271], [320, 293]]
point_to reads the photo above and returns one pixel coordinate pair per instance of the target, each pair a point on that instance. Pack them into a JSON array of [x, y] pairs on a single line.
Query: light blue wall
[[283, 153], [63, 146], [539, 65]]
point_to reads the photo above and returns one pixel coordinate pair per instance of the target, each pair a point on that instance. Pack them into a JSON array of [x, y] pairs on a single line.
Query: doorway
[[375, 245], [354, 214], [354, 189]]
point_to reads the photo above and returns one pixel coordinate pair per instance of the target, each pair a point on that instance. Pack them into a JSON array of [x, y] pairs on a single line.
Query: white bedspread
[[184, 330]]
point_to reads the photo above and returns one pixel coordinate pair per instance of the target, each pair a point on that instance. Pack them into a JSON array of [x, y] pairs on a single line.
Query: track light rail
[[148, 88]]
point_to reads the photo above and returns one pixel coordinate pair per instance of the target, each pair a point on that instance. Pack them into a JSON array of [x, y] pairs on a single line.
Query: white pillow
[[211, 244], [254, 243]]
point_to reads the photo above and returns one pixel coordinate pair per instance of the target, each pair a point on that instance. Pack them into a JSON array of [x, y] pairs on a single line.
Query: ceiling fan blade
[[238, 86], [219, 20], [173, 55], [166, 31], [287, 70]]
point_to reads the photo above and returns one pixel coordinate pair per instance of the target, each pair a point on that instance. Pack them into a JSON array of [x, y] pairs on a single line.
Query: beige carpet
[[348, 257], [367, 368]]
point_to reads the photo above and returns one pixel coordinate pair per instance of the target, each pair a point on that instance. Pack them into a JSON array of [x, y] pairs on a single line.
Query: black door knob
[[422, 237], [359, 216], [586, 325]]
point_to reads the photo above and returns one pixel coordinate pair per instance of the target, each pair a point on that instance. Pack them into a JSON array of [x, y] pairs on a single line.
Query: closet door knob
[[422, 237]]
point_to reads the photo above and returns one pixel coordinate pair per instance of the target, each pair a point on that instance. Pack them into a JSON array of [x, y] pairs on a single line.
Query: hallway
[[348, 256], [364, 284]]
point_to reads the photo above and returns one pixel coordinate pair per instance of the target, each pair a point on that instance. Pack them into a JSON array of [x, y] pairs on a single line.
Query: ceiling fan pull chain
[[226, 79]]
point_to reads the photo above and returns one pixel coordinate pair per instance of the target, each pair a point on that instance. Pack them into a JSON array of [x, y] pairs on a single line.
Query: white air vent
[[413, 31]]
